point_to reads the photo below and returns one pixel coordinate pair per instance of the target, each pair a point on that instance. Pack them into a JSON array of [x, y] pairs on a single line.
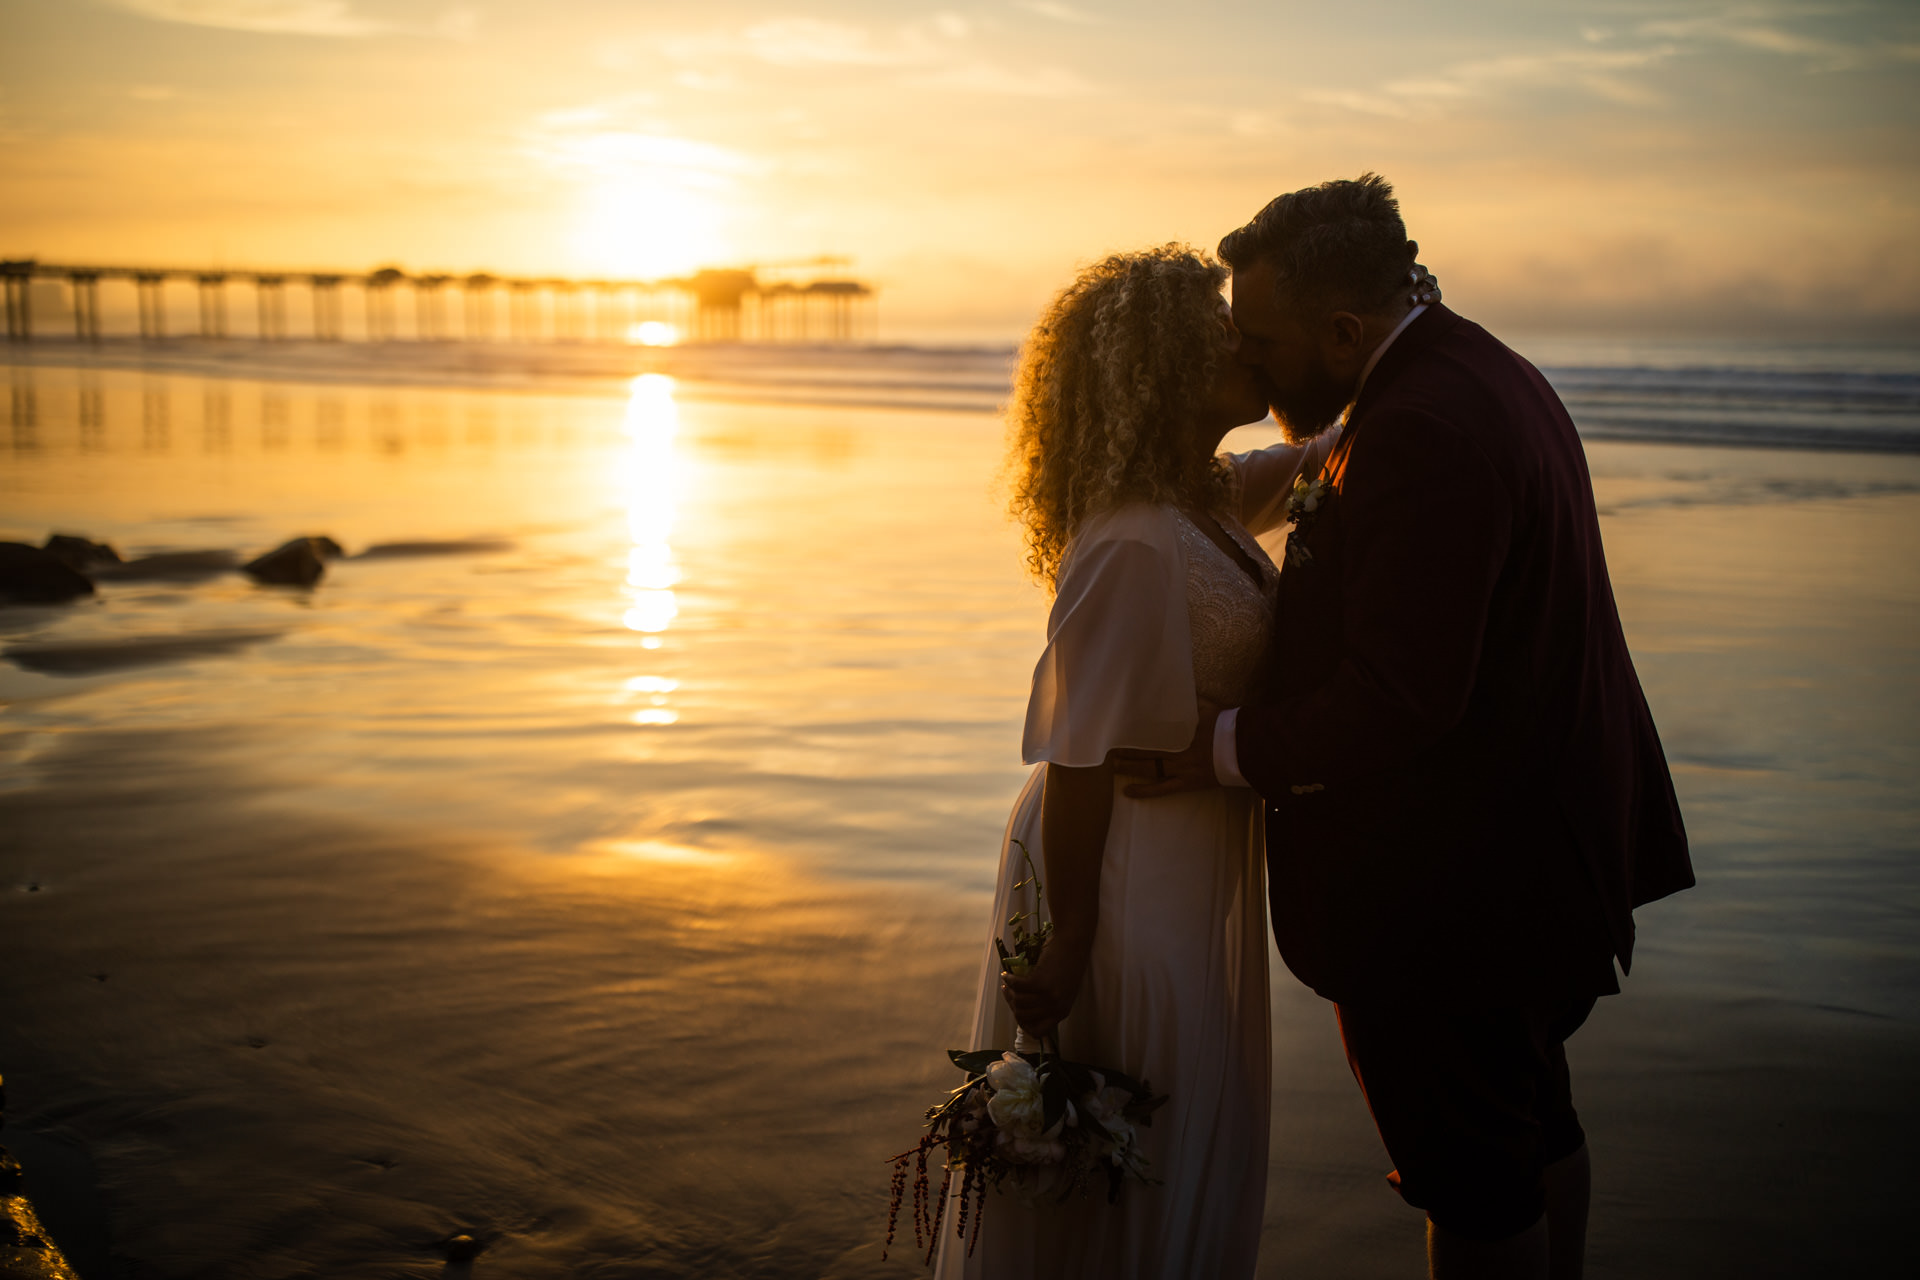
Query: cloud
[[934, 53], [336, 19], [457, 24], [982, 77], [1059, 12], [707, 81], [1746, 31], [1614, 66], [279, 17], [811, 42], [1603, 73], [608, 137]]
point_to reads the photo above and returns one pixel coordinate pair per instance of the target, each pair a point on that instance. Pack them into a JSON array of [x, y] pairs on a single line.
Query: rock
[[29, 575], [462, 1248], [27, 1252], [295, 564], [171, 566], [80, 554], [327, 547]]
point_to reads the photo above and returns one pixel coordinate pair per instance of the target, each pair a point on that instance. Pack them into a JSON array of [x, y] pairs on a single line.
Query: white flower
[[1041, 1150], [1020, 1113], [1016, 1105], [1106, 1106]]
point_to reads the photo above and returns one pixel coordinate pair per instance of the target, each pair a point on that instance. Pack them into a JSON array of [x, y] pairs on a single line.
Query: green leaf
[[975, 1062], [1079, 1078], [1053, 1097]]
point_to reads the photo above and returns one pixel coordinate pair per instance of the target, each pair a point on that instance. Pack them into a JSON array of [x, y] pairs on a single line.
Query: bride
[[1162, 599]]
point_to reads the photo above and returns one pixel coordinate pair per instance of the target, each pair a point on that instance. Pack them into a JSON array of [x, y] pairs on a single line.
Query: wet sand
[[359, 1041]]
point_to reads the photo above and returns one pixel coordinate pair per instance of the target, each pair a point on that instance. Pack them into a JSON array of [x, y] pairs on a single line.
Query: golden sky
[[1583, 167]]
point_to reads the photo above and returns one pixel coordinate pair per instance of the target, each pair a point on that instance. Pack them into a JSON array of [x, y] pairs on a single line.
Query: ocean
[[596, 861]]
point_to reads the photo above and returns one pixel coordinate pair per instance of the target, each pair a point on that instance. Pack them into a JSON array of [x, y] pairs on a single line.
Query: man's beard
[[1311, 410]]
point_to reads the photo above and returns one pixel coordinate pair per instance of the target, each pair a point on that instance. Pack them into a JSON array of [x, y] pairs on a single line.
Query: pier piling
[[733, 304], [213, 304], [270, 295], [326, 307], [477, 289], [151, 287], [86, 305], [18, 278]]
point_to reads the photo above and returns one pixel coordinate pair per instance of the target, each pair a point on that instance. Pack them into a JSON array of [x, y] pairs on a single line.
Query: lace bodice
[[1231, 617], [1148, 616]]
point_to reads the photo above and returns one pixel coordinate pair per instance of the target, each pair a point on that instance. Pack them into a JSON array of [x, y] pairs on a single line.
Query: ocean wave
[[1755, 407], [1729, 394]]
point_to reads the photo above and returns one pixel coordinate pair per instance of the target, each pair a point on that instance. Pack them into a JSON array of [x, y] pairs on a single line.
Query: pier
[[792, 302]]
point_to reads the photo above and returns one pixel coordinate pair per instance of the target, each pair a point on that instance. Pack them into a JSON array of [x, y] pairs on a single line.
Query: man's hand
[[1165, 773]]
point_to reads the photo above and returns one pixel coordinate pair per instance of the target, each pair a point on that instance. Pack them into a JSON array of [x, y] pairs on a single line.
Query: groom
[[1465, 795]]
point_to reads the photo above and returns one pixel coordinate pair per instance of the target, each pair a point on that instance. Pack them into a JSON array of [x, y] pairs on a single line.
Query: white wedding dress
[[1149, 616]]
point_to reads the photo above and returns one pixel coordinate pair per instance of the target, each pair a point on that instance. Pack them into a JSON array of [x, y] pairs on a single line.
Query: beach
[[601, 868]]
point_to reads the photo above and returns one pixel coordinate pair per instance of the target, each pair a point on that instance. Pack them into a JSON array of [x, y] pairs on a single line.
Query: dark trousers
[[1473, 1105]]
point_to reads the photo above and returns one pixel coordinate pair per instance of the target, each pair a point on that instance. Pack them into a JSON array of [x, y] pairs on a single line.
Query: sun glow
[[652, 483], [653, 333], [634, 228], [650, 207]]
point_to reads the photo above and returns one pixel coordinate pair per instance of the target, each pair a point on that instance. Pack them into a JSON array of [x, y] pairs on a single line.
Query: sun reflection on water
[[651, 482]]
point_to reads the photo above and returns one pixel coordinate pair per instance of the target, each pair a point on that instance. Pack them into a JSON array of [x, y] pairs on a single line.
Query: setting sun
[[650, 206], [638, 228], [653, 333]]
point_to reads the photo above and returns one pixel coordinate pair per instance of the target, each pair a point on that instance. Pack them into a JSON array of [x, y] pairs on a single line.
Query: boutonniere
[[1303, 507]]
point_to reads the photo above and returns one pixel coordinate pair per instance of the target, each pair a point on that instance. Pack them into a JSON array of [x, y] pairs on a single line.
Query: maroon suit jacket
[[1466, 795]]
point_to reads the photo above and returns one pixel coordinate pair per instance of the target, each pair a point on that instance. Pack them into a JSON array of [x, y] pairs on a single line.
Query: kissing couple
[[1418, 742]]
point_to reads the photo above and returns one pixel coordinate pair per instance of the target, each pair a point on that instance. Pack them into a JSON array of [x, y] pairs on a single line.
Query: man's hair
[[1340, 246]]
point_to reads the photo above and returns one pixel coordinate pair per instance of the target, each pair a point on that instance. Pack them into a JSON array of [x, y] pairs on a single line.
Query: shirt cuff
[[1226, 749]]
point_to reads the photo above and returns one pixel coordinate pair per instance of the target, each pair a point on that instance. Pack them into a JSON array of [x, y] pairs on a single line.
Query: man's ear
[[1344, 333]]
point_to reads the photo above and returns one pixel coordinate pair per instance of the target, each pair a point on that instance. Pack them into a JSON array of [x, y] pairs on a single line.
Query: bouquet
[[1025, 1116]]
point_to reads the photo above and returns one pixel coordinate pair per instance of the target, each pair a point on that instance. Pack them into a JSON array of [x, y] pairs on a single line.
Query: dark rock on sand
[[457, 547], [27, 1252], [295, 564], [461, 1248], [80, 658], [78, 553], [29, 575], [171, 566]]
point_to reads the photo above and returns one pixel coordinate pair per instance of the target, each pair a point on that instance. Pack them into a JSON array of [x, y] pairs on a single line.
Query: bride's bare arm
[[1266, 478], [1074, 812]]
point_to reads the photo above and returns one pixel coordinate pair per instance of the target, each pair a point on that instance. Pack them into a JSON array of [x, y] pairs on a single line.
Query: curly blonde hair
[[1110, 381]]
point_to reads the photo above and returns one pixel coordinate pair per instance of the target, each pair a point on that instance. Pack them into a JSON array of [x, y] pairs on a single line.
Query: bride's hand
[[1426, 286], [1044, 996]]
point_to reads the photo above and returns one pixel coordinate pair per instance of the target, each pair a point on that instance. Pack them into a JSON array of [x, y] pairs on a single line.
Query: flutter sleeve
[[1264, 477], [1118, 668]]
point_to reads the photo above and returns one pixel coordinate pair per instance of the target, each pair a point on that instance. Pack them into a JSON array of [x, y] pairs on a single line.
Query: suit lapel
[[1433, 324]]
